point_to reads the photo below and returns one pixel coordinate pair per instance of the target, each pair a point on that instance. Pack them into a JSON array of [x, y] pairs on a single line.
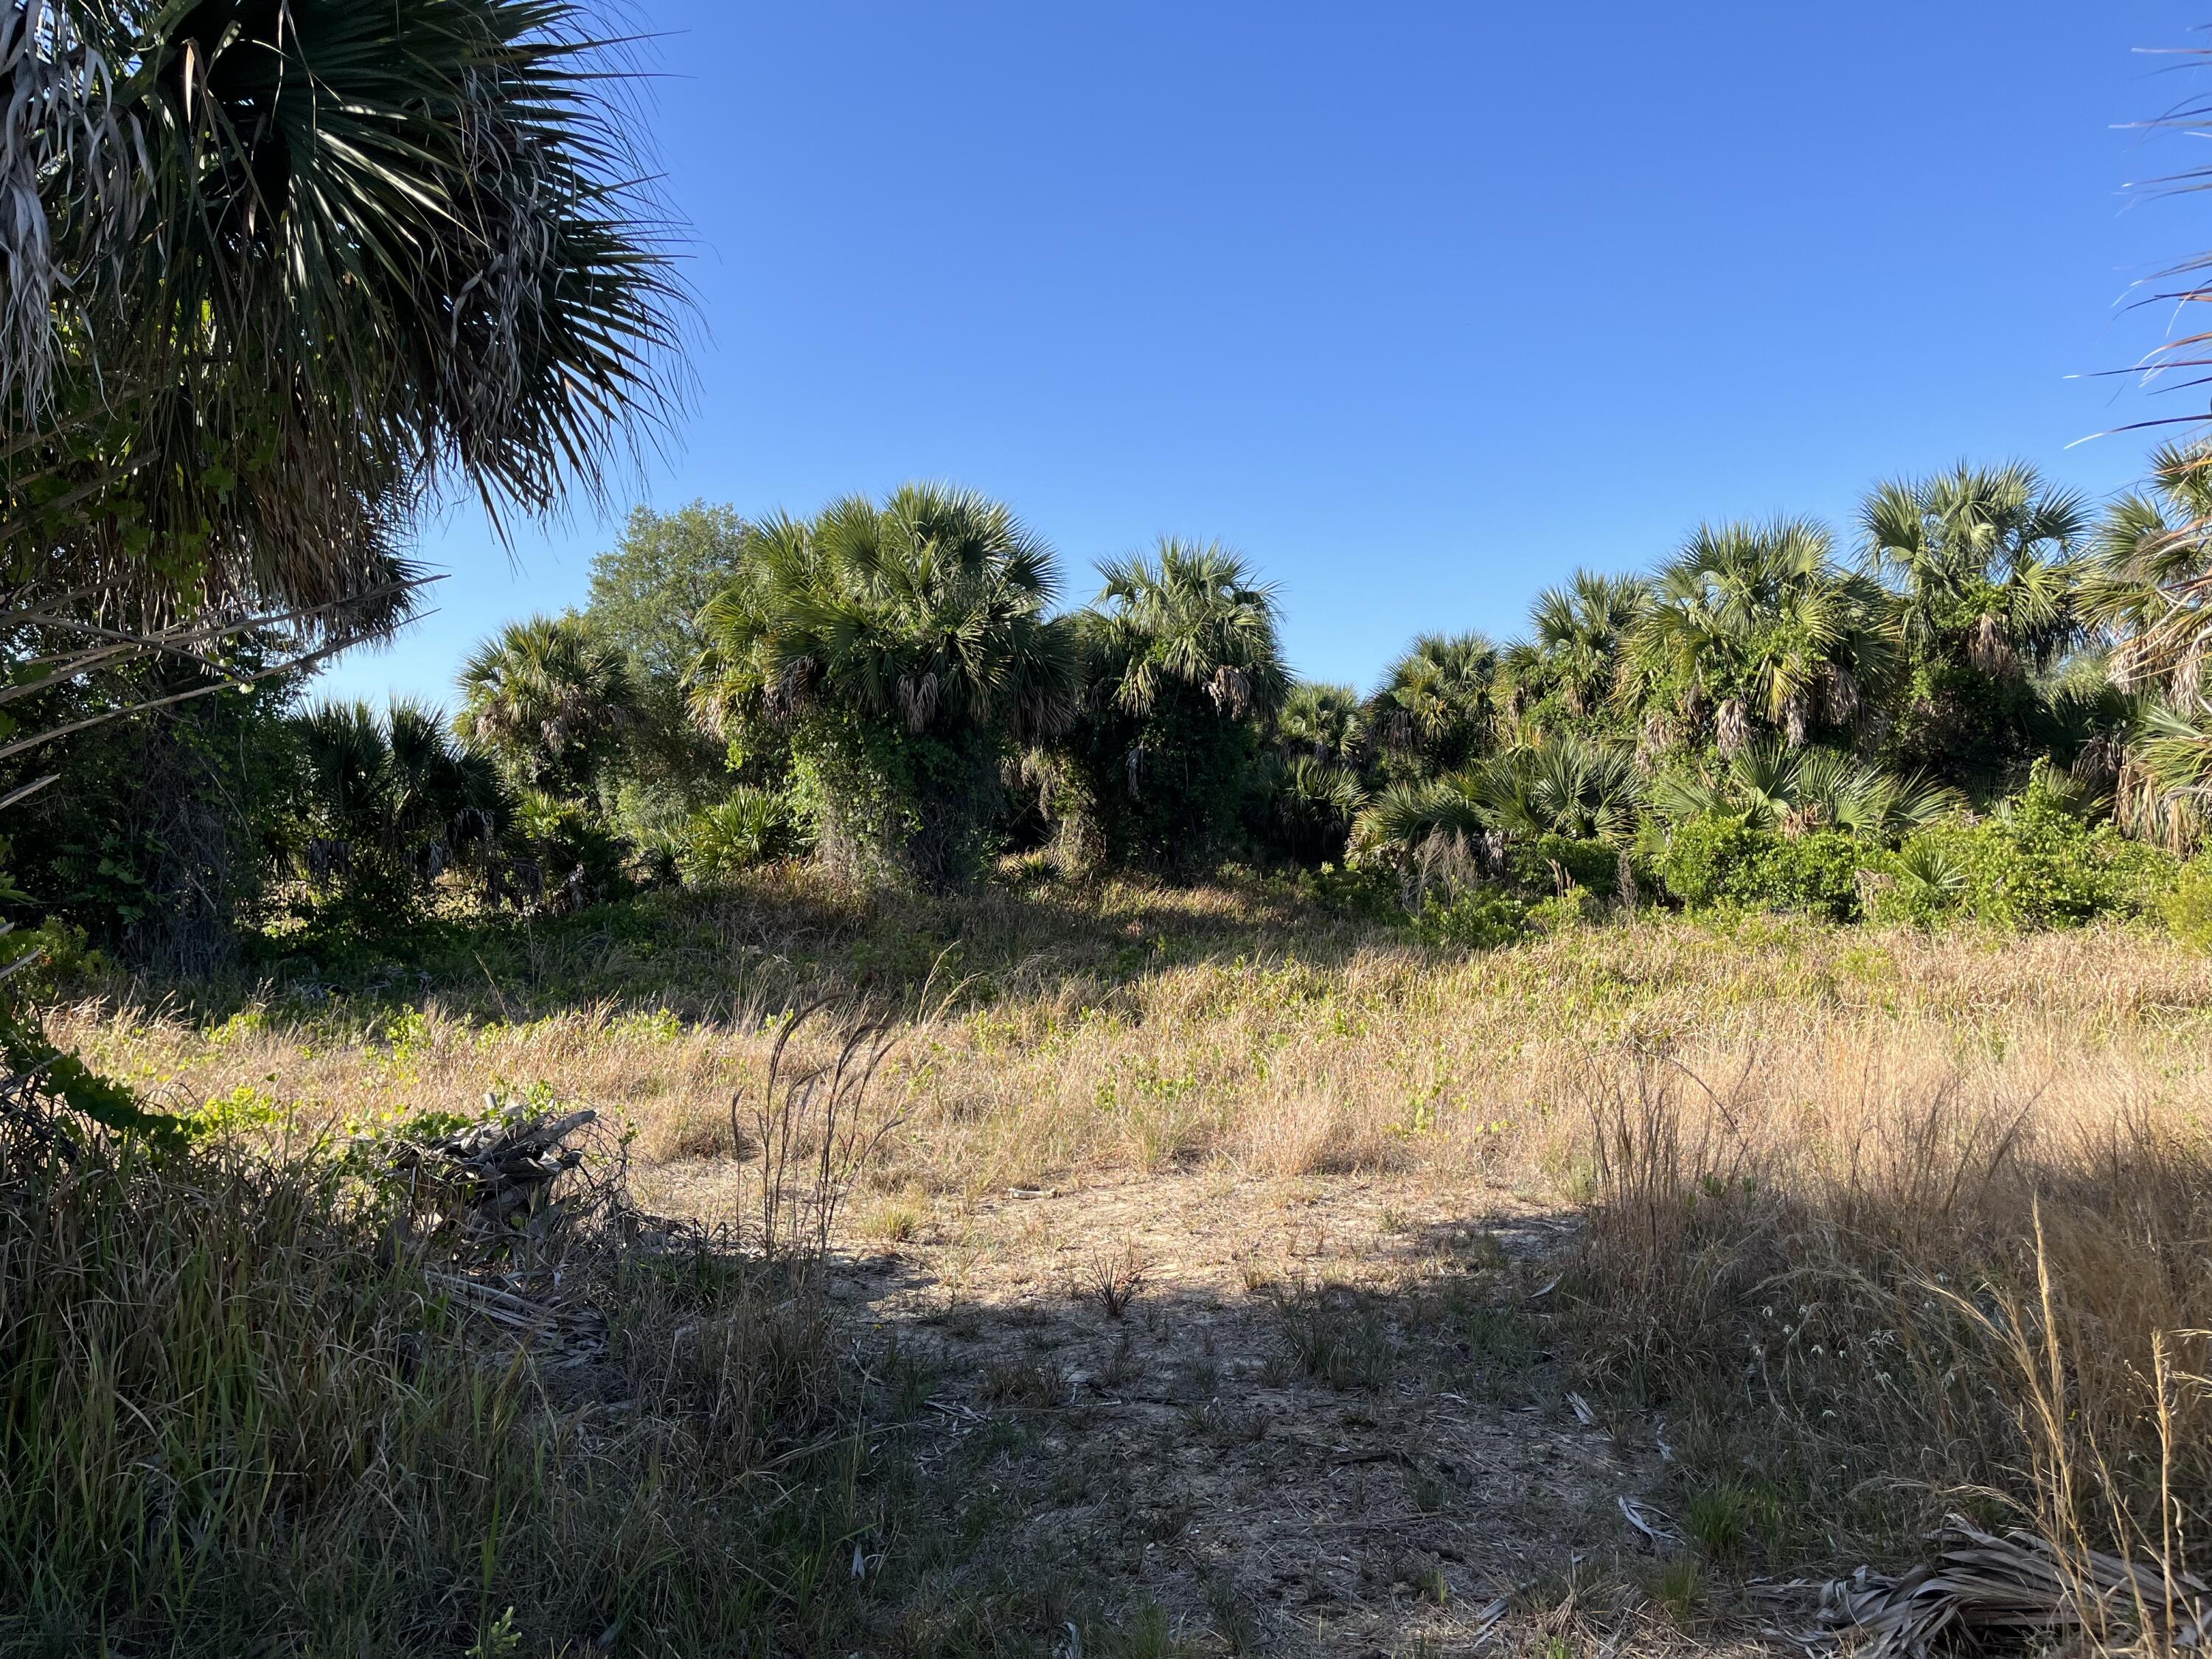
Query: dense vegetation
[[287, 1365], [1984, 701]]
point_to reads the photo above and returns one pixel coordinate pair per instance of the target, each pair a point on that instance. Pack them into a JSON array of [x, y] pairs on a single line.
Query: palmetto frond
[[1979, 560], [1191, 615], [1407, 815], [1568, 785], [393, 786], [1769, 786], [2166, 781], [279, 269], [930, 607]]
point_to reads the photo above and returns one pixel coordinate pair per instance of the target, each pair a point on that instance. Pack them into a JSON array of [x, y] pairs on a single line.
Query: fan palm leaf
[[280, 269]]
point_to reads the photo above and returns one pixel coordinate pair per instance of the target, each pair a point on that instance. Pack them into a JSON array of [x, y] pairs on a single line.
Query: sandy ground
[[1319, 1416]]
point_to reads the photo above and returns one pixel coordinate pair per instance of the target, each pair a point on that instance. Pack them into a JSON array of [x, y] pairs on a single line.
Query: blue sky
[[1420, 304]]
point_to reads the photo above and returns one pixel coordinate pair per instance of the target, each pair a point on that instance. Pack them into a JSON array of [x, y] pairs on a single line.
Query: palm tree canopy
[[2149, 576], [547, 696], [1435, 698], [289, 266], [1757, 621], [1191, 615], [1323, 722], [932, 608], [1980, 561], [1586, 789], [1578, 632], [394, 781]]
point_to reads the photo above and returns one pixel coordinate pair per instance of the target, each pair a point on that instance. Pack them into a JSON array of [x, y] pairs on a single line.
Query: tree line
[[896, 688]]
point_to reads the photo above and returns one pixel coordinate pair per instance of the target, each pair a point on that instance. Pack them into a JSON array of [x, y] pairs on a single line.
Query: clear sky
[[1420, 304]]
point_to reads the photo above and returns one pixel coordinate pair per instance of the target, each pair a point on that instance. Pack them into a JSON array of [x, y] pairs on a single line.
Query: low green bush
[[2188, 907], [2035, 864], [1473, 919], [752, 827], [1721, 861], [1538, 863]]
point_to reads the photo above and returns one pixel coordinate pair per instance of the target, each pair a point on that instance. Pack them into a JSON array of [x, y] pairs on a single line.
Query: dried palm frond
[[1984, 1587]]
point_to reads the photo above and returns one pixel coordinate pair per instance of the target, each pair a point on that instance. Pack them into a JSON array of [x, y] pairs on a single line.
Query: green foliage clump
[[2036, 864], [750, 827], [1539, 862], [1474, 918], [2188, 908], [1723, 861]]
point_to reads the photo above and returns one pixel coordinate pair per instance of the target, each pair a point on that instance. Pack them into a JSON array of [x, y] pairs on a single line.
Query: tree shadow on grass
[[788, 935]]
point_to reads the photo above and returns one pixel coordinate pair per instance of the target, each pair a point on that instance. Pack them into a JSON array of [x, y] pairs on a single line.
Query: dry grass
[[1814, 1159]]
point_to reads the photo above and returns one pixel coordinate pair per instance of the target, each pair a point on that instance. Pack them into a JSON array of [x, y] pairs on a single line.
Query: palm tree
[[1583, 789], [903, 648], [2167, 778], [2148, 580], [1184, 663], [1435, 707], [1324, 723], [1981, 563], [1190, 619], [1312, 804], [1578, 633], [548, 699], [1754, 626], [389, 801], [301, 261]]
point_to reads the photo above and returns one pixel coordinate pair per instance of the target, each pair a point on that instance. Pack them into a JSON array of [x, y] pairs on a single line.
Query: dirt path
[[1262, 1416]]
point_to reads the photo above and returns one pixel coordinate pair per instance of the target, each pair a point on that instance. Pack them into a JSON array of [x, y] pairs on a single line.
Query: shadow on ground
[[1199, 1414]]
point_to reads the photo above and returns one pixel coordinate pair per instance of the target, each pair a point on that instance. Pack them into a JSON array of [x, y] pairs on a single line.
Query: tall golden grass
[[1812, 1160]]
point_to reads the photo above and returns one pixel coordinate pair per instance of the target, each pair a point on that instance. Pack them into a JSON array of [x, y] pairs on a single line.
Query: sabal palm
[[293, 263], [1578, 632], [392, 789], [1193, 616], [2165, 780], [1324, 723], [1435, 701], [1753, 624], [1586, 789], [929, 611], [547, 698], [1313, 801], [1769, 786], [2149, 580], [1981, 563]]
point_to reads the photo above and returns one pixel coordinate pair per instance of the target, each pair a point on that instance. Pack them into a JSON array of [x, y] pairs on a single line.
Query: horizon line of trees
[[895, 689], [892, 685]]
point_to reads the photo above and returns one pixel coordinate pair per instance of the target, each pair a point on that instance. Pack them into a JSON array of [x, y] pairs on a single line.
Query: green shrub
[[1473, 919], [1538, 863], [2188, 908], [2033, 864], [1721, 861], [1924, 882], [1366, 890], [1700, 856], [752, 827], [563, 835]]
